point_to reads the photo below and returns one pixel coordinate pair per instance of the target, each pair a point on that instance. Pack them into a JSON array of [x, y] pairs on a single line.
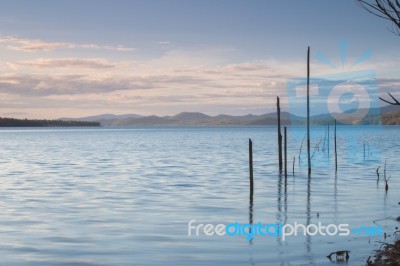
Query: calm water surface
[[124, 196]]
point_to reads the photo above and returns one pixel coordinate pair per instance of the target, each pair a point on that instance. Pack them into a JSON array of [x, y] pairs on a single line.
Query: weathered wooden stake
[[294, 160], [285, 141], [278, 112], [308, 112], [335, 149], [377, 171], [251, 168], [386, 179]]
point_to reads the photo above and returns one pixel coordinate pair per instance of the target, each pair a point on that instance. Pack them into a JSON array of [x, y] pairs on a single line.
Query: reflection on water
[[125, 196], [251, 210]]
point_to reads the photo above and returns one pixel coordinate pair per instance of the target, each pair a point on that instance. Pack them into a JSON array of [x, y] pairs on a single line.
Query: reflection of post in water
[[308, 237], [251, 260], [279, 213], [251, 210], [335, 197], [285, 203], [282, 210], [308, 244], [251, 214], [328, 140]]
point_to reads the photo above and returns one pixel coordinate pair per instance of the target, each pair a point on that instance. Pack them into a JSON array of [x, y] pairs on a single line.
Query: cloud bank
[[33, 45]]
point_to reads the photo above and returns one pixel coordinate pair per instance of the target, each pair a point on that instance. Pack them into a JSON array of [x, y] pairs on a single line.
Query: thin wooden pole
[[308, 112], [335, 149], [285, 141], [278, 111], [251, 168], [251, 184], [294, 160], [386, 179], [377, 172]]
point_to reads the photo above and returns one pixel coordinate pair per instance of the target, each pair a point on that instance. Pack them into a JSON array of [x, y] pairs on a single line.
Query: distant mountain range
[[388, 114], [101, 117], [184, 118]]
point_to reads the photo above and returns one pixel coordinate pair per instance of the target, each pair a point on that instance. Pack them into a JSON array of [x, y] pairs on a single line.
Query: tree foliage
[[13, 122]]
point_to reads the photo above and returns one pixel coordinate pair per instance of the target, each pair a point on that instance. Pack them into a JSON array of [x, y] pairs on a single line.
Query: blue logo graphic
[[350, 97], [346, 95]]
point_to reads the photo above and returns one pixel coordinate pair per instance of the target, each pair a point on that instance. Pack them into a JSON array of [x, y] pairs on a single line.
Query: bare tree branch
[[389, 10], [398, 3], [391, 5], [386, 9], [396, 102], [371, 9]]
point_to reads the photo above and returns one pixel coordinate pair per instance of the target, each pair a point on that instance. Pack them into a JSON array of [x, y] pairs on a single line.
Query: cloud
[[249, 66], [92, 63], [175, 81], [47, 85], [33, 45], [395, 82], [15, 113]]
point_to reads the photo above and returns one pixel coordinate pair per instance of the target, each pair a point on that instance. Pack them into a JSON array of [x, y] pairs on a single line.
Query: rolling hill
[[386, 115]]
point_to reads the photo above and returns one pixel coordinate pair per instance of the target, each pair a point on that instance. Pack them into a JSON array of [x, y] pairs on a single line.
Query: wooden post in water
[[285, 141], [308, 112], [251, 184], [294, 160], [377, 172], [278, 112], [335, 149], [386, 179], [251, 168]]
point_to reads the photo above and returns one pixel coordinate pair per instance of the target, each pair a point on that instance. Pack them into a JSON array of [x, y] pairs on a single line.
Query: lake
[[124, 196]]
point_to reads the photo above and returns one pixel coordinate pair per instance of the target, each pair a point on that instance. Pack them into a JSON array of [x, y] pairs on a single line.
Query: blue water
[[124, 196]]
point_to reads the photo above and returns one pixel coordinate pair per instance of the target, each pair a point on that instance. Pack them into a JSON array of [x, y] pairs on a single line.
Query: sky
[[79, 58]]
